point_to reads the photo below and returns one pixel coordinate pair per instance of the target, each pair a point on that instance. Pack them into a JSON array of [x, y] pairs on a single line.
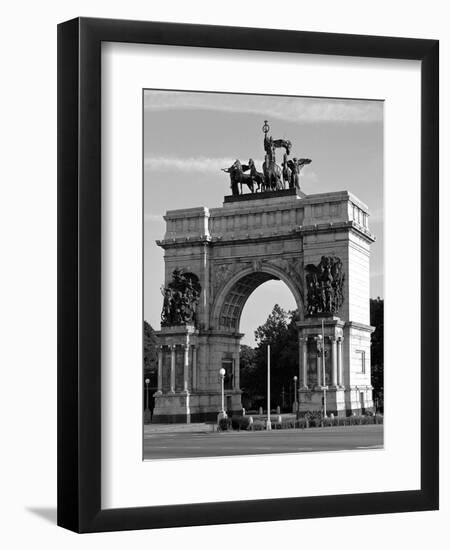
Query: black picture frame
[[79, 274]]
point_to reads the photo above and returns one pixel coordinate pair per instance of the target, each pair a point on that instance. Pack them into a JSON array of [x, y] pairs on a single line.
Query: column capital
[[172, 347], [303, 339]]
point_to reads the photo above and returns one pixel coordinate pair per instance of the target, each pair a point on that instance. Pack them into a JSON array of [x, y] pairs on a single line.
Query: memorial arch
[[318, 245]]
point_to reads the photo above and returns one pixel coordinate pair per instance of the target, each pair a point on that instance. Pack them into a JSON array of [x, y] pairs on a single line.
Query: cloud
[[290, 109], [308, 180], [204, 165]]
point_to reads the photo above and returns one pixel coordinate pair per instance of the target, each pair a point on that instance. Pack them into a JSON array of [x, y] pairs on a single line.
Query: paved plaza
[[203, 442]]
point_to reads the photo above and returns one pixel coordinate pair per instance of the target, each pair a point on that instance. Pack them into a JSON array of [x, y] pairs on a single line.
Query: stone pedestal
[[189, 386], [347, 379], [175, 374], [312, 400], [172, 408]]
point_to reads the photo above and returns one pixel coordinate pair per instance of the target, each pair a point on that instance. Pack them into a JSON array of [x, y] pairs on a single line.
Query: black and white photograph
[[263, 274]]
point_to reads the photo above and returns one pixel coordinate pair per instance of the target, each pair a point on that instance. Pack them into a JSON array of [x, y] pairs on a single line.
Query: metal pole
[[295, 395], [223, 398], [269, 424], [147, 414], [324, 381]]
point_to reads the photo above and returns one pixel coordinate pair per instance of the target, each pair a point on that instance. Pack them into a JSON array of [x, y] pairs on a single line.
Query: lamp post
[[295, 396], [269, 424], [147, 413], [321, 348], [222, 413]]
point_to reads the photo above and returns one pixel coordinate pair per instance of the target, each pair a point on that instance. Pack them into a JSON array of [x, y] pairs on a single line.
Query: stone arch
[[231, 299]]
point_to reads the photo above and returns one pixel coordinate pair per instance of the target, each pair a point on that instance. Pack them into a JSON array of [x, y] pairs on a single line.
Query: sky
[[190, 136]]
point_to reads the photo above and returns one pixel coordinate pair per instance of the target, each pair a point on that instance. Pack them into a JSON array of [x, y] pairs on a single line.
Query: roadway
[[208, 444]]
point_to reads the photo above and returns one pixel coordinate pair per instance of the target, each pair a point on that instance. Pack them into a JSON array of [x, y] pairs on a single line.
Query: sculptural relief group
[[324, 286], [180, 299]]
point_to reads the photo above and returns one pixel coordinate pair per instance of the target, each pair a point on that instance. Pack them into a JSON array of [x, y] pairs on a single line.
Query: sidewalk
[[196, 427]]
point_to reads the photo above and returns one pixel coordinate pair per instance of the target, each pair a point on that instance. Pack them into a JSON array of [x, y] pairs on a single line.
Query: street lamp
[[295, 395], [147, 413], [222, 413]]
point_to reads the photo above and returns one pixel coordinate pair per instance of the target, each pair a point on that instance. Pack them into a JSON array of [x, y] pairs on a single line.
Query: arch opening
[[237, 297], [260, 305], [230, 301]]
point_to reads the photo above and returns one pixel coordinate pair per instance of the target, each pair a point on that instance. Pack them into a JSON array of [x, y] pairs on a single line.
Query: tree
[[150, 370], [150, 353], [280, 331], [274, 328], [248, 372], [377, 348]]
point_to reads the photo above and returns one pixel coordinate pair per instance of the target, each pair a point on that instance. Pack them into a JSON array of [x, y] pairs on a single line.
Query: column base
[[194, 406], [312, 401], [353, 399], [172, 408]]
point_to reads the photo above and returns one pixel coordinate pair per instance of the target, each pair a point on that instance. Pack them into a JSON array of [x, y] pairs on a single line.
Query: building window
[[362, 357]]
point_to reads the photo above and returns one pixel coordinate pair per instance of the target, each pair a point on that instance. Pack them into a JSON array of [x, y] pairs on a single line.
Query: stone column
[[236, 377], [303, 363], [160, 361], [186, 368], [194, 367], [340, 378], [333, 362], [319, 369], [172, 369]]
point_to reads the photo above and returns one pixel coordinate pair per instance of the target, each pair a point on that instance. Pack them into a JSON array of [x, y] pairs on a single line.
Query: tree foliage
[[280, 332], [150, 353], [377, 348]]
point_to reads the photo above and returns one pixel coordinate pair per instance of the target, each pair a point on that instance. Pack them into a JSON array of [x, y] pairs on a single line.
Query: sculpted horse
[[258, 177], [272, 172], [237, 176], [272, 175]]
